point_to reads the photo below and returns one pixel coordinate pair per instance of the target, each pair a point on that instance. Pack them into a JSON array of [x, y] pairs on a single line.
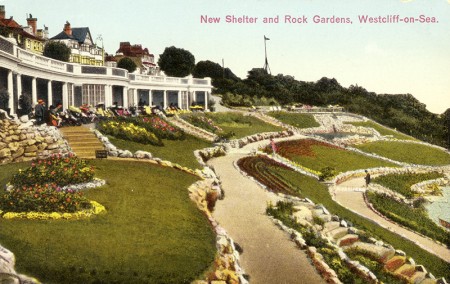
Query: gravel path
[[269, 256], [355, 202]]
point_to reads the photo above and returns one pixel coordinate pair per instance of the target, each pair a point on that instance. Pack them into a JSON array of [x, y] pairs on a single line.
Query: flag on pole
[[266, 38]]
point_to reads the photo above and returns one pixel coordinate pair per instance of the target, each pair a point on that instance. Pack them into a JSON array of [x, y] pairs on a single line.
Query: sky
[[410, 53]]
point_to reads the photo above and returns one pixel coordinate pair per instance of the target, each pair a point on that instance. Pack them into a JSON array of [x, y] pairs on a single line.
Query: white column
[[49, 93], [65, 96], [19, 85], [11, 93], [125, 97], [206, 100], [33, 90], [187, 99], [165, 99], [72, 92], [150, 98], [135, 96], [179, 99], [108, 95]]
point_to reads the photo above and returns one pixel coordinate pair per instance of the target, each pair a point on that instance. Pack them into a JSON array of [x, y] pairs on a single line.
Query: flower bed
[[94, 209], [43, 188], [43, 198], [259, 168], [201, 121], [57, 169], [128, 131], [162, 128]]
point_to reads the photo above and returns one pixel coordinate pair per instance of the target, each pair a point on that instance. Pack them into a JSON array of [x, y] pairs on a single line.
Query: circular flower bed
[[42, 192], [56, 169]]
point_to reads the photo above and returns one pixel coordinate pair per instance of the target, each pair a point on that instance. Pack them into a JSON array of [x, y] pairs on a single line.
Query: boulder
[[13, 146], [31, 142], [15, 137], [30, 149], [49, 140], [5, 152], [2, 145], [18, 153], [126, 154], [53, 146], [42, 146], [30, 154]]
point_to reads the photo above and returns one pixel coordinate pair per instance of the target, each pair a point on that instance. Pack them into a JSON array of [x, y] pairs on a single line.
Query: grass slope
[[407, 152], [241, 125], [321, 156], [382, 130], [152, 232], [299, 120], [177, 151]]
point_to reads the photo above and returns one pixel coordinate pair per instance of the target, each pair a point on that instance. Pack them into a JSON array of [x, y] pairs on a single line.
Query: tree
[[128, 64], [176, 62], [57, 50], [213, 70]]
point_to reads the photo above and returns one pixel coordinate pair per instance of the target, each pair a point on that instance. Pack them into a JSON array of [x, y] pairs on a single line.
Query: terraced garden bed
[[414, 218], [235, 125], [402, 183], [308, 187], [317, 155], [299, 120], [382, 130], [407, 152]]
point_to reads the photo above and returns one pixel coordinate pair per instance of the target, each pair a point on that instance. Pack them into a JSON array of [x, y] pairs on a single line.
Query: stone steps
[[83, 142]]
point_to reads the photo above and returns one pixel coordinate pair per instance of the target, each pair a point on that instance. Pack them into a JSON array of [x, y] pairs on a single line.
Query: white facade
[[75, 84]]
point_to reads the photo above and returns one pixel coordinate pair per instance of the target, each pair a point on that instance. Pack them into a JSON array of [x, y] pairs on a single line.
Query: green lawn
[[382, 130], [299, 120], [152, 232], [407, 152], [320, 156], [402, 183], [241, 125], [318, 193], [177, 151]]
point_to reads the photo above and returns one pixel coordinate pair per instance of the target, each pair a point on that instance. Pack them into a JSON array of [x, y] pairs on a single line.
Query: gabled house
[[144, 60], [83, 49], [28, 38]]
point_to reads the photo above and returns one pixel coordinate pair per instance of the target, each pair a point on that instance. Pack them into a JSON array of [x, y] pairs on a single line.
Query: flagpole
[[266, 63]]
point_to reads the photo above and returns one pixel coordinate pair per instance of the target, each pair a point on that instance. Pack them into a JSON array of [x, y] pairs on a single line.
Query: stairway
[[82, 141]]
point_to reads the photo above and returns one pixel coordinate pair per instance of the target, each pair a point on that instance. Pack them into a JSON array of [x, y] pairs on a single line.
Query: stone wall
[[21, 142]]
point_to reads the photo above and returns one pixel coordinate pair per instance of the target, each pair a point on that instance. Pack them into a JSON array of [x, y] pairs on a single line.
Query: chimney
[[2, 12], [67, 29], [32, 23]]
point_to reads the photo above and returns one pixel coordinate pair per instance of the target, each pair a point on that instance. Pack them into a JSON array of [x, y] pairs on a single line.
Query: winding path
[[348, 195], [269, 256]]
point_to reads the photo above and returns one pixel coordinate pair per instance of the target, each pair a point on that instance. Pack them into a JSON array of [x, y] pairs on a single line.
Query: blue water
[[440, 207]]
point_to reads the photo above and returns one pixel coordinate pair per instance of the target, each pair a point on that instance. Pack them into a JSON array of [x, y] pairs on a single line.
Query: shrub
[[54, 170], [326, 173]]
